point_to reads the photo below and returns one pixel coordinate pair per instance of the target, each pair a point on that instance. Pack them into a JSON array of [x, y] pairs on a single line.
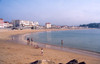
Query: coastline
[[20, 54], [66, 49]]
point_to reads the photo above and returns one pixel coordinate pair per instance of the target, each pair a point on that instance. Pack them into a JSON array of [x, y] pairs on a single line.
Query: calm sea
[[82, 39]]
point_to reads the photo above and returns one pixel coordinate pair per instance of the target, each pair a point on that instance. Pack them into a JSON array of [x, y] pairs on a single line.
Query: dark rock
[[36, 62], [74, 61], [82, 63]]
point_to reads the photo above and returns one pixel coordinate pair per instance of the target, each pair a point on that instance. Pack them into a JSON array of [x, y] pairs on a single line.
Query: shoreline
[[13, 52], [56, 47]]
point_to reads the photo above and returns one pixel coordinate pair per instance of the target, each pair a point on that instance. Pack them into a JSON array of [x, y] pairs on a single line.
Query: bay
[[88, 39]]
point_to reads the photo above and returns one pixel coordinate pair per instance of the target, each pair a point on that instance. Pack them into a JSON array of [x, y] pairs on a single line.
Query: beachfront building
[[1, 23], [36, 23], [55, 27], [7, 24], [48, 25], [65, 27], [23, 23]]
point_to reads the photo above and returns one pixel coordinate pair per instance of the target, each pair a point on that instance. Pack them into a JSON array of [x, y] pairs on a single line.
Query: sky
[[57, 12]]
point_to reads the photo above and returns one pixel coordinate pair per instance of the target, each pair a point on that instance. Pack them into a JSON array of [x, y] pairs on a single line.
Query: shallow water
[[81, 39]]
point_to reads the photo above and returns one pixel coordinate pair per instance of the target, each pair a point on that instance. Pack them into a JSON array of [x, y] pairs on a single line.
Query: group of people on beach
[[30, 42]]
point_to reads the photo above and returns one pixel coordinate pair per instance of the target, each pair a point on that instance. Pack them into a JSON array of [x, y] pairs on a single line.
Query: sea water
[[88, 39]]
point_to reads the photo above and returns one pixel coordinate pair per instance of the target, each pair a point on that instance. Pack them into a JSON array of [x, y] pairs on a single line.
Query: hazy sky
[[59, 12]]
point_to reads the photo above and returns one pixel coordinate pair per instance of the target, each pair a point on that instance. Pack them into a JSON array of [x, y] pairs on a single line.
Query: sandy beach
[[12, 52]]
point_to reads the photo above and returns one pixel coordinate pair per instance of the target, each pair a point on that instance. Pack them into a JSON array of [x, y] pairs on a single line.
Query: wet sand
[[12, 52]]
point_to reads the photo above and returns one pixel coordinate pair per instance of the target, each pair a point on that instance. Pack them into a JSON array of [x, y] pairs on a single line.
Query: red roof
[[48, 23], [1, 19], [6, 22]]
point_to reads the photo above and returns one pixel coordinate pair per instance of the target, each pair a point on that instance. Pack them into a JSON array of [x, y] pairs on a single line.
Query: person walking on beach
[[41, 51]]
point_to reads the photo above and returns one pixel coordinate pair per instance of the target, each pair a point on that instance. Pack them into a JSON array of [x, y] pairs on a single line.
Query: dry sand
[[13, 53]]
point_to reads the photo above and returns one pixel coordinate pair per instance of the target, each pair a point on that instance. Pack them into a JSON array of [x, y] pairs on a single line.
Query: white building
[[7, 24], [48, 25], [1, 23], [23, 23], [36, 23]]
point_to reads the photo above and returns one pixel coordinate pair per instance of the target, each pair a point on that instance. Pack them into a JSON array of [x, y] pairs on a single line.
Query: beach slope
[[13, 53]]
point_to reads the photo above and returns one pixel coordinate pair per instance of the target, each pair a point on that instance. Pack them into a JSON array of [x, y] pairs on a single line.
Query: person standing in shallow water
[[31, 41], [28, 41], [61, 43]]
